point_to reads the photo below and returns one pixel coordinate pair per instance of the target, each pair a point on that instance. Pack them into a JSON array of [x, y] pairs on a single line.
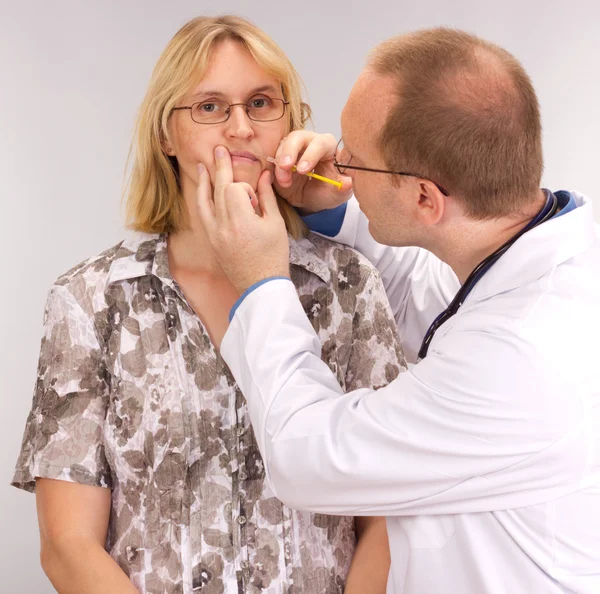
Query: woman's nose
[[239, 125]]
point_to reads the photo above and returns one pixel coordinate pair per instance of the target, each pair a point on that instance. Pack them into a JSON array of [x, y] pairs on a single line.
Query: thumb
[[266, 197], [204, 199], [346, 184]]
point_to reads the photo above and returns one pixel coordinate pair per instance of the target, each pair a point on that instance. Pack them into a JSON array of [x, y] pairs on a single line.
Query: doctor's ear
[[431, 203]]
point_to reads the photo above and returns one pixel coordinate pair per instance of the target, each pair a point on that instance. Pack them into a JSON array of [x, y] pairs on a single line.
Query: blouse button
[[245, 565], [241, 431], [242, 520], [242, 476]]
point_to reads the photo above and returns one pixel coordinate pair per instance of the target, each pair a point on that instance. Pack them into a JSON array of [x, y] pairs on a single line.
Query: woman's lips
[[244, 157]]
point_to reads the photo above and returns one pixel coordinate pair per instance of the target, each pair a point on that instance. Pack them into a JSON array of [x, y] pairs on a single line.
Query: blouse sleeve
[[63, 436]]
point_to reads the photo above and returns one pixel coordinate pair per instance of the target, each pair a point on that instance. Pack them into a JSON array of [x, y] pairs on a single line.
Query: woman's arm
[[371, 561], [73, 522]]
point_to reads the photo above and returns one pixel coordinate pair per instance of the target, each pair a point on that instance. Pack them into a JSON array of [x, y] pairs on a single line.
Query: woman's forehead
[[232, 70]]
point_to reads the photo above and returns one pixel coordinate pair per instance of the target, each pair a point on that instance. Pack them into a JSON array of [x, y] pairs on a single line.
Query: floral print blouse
[[131, 395]]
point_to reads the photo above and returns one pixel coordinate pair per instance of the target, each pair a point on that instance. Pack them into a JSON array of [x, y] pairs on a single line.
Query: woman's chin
[[249, 177]]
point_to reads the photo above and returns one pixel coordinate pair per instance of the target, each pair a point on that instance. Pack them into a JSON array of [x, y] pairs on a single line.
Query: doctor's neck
[[466, 242]]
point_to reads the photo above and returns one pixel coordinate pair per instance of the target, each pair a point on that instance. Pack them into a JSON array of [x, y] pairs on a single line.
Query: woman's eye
[[209, 107], [260, 102]]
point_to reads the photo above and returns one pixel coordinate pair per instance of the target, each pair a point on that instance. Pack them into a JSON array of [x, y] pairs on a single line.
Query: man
[[485, 454]]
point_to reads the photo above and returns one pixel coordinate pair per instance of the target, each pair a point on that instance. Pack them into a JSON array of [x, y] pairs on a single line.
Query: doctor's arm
[[457, 433]]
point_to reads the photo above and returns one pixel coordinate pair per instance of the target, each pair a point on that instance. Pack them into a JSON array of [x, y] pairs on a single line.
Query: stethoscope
[[550, 209]]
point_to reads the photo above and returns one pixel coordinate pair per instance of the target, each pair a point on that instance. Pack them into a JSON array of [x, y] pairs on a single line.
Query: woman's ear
[[167, 145], [167, 148]]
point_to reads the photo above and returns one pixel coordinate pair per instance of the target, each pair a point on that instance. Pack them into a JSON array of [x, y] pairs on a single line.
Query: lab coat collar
[[540, 250]]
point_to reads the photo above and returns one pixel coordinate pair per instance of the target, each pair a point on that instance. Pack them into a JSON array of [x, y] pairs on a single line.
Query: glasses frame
[[342, 171], [228, 110]]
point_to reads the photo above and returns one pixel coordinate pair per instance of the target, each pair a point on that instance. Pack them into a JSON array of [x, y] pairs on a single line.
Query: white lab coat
[[485, 456]]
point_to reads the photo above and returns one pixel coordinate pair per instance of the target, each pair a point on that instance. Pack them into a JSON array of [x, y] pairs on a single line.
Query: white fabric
[[485, 456]]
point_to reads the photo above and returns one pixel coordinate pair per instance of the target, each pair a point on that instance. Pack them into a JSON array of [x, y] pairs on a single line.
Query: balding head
[[466, 115]]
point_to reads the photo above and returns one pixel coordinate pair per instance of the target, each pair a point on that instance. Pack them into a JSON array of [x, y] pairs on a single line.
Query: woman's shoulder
[[334, 261], [92, 276]]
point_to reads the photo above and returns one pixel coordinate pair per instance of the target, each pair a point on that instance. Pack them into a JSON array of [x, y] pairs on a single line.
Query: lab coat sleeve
[[459, 432], [419, 286]]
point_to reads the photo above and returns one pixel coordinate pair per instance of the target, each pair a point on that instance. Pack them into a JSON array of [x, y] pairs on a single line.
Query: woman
[[138, 445]]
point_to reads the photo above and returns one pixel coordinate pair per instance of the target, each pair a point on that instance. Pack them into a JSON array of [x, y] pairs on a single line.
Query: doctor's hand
[[309, 151], [249, 246]]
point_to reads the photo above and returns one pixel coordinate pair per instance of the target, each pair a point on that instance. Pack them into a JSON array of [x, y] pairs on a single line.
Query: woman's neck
[[190, 249]]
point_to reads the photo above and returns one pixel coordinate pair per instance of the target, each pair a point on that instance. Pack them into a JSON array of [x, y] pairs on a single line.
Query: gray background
[[73, 74]]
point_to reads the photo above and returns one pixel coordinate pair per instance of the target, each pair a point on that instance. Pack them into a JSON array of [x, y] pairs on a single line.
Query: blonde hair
[[466, 116], [154, 203]]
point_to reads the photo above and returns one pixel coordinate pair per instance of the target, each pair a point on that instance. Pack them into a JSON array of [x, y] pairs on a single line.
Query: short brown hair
[[467, 117], [154, 201]]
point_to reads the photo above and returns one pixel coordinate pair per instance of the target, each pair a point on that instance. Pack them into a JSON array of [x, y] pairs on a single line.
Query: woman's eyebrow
[[219, 94]]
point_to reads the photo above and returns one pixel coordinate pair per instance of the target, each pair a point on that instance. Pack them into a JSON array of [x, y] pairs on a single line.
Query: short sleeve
[[63, 436], [376, 358]]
